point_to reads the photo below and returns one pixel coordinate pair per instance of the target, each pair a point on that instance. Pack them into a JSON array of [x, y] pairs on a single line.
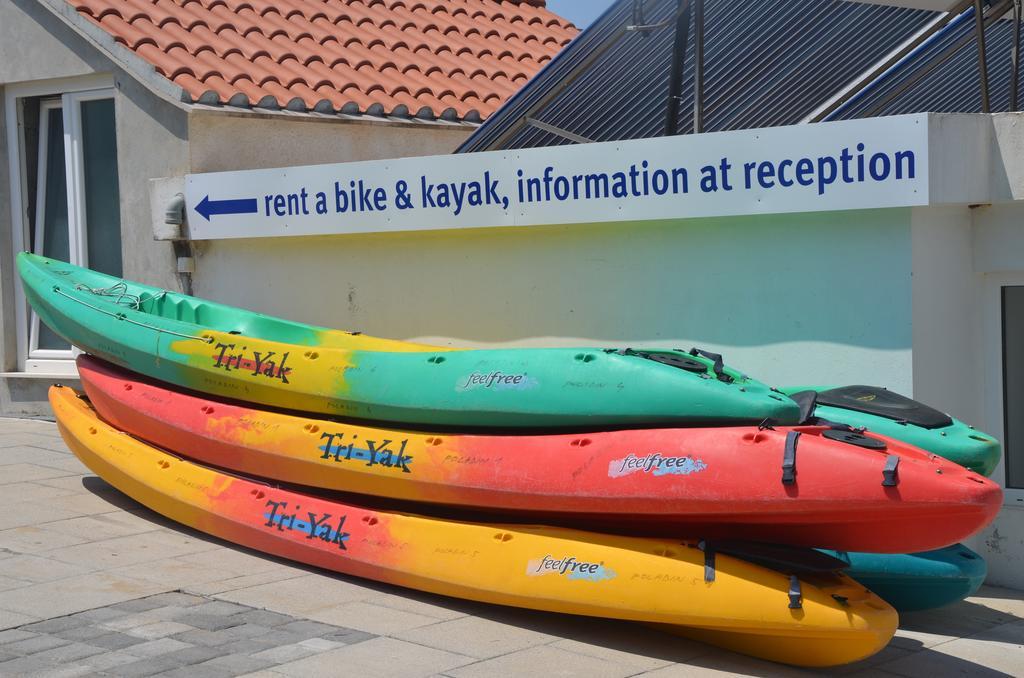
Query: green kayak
[[907, 581], [239, 354], [918, 581], [899, 417]]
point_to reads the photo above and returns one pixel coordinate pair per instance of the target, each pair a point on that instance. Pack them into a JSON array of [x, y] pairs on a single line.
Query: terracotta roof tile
[[423, 58]]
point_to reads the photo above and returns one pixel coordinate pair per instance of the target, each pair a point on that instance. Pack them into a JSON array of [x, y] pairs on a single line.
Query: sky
[[580, 12]]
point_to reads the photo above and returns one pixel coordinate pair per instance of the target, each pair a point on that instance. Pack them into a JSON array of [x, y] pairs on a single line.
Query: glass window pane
[[55, 211], [1013, 384], [102, 195], [55, 198], [32, 113]]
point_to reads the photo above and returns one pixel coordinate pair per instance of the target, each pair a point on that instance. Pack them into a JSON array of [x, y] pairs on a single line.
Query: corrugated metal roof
[[767, 63], [951, 87]]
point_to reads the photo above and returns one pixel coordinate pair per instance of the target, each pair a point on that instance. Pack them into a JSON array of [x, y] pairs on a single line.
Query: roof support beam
[[1015, 56], [979, 39], [698, 66], [558, 131], [675, 76]]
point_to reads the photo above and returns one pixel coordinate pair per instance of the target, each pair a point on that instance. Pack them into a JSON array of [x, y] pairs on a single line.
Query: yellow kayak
[[816, 620]]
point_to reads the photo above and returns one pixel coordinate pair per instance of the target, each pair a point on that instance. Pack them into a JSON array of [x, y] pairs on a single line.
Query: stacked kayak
[[663, 486], [918, 581], [819, 620], [234, 353], [847, 491], [891, 414]]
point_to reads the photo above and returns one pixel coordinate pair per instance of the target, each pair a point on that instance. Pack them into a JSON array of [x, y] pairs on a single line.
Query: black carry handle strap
[[785, 559], [717, 367], [796, 597], [890, 474], [664, 358], [789, 458], [709, 561], [836, 426]]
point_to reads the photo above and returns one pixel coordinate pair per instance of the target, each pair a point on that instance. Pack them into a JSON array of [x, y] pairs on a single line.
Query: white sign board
[[876, 162]]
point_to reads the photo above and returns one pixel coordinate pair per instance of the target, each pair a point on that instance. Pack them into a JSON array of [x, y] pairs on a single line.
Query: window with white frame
[[66, 197]]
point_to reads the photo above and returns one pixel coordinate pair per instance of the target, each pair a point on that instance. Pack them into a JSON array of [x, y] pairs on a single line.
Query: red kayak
[[806, 486]]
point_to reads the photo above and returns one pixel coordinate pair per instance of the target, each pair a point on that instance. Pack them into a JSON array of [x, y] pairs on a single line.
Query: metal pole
[[979, 36], [1015, 55], [558, 131], [675, 76], [698, 66]]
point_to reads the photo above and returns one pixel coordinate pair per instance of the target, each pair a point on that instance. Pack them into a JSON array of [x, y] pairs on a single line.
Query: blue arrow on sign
[[208, 208]]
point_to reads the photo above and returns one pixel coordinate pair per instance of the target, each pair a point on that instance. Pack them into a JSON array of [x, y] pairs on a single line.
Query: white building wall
[[998, 259], [805, 298], [962, 257], [946, 318]]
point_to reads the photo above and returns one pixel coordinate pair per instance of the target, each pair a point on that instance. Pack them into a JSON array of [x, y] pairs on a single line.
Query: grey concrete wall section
[[1002, 545], [8, 336], [960, 159], [224, 141], [35, 45], [152, 138], [152, 133], [975, 159], [999, 237], [27, 397], [18, 397], [1008, 155]]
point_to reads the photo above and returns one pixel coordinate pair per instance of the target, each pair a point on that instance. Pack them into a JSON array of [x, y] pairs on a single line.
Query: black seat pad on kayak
[[807, 400], [884, 403], [778, 557]]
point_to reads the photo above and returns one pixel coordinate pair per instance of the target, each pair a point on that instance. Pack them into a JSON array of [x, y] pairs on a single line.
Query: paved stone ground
[[92, 583]]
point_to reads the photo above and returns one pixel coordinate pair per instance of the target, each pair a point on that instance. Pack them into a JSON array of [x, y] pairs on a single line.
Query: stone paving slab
[[380, 657], [91, 583], [372, 618], [540, 660], [119, 640], [475, 637], [244, 581]]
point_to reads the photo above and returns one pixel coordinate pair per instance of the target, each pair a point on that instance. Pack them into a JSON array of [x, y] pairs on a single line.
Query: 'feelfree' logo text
[[655, 464], [568, 567], [496, 380]]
